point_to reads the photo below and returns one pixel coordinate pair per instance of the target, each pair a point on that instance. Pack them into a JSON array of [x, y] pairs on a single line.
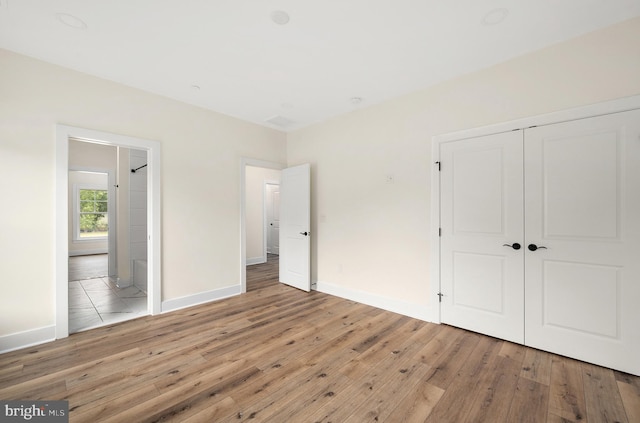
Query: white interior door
[[295, 227], [273, 218], [582, 191], [482, 274]]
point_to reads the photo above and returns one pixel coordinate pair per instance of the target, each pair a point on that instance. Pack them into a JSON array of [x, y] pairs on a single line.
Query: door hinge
[[439, 167], [439, 231], [440, 295]]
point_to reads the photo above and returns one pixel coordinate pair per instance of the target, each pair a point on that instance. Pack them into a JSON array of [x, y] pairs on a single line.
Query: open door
[[295, 227]]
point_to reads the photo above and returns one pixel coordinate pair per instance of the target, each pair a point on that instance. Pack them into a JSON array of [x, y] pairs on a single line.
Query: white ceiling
[[306, 71]]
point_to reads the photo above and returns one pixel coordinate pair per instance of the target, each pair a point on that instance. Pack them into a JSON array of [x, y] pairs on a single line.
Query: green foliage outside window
[[93, 213]]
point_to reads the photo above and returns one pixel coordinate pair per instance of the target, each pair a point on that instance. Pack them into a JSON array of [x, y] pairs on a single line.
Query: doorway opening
[[263, 217], [107, 234], [107, 250], [260, 207]]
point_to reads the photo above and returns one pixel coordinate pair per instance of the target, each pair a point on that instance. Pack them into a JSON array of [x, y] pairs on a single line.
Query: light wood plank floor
[[278, 355]]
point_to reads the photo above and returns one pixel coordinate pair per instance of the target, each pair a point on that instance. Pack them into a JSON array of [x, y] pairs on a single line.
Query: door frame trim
[[598, 109], [61, 237], [244, 162]]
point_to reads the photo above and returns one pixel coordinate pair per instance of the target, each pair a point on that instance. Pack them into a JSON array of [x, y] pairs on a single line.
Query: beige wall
[[373, 237], [201, 153], [255, 179]]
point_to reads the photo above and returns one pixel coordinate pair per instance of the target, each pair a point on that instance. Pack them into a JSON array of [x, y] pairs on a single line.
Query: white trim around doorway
[[61, 238]]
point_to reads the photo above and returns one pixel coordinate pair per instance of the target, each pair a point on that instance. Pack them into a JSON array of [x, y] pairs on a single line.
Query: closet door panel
[[581, 186], [481, 278], [582, 206]]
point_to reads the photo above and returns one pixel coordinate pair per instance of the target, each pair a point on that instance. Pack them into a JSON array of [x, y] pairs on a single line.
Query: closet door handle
[[533, 247], [515, 245]]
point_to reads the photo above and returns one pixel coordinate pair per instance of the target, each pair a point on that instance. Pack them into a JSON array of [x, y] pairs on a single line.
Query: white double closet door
[[569, 195]]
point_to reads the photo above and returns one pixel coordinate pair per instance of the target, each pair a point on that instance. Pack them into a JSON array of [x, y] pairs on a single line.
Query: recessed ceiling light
[[280, 17], [71, 21], [355, 100], [495, 16]]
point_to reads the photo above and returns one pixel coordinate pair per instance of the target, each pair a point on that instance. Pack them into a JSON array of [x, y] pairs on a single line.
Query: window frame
[[76, 212]]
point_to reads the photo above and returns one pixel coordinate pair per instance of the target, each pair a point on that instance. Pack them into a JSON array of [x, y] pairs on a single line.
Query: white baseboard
[[417, 311], [201, 298], [17, 341], [256, 260]]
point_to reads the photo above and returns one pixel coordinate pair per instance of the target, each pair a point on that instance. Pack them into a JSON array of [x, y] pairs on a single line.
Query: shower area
[[138, 219]]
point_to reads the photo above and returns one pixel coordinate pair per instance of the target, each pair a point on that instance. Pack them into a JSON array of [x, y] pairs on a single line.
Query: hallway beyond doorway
[[259, 275]]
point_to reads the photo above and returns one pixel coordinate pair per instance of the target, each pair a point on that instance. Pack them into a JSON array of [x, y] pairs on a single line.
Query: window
[[93, 222]]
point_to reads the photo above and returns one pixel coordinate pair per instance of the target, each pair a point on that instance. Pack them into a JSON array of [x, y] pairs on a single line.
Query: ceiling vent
[[280, 121]]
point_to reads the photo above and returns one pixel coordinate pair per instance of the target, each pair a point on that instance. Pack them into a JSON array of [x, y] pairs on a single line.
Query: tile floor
[[98, 301]]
